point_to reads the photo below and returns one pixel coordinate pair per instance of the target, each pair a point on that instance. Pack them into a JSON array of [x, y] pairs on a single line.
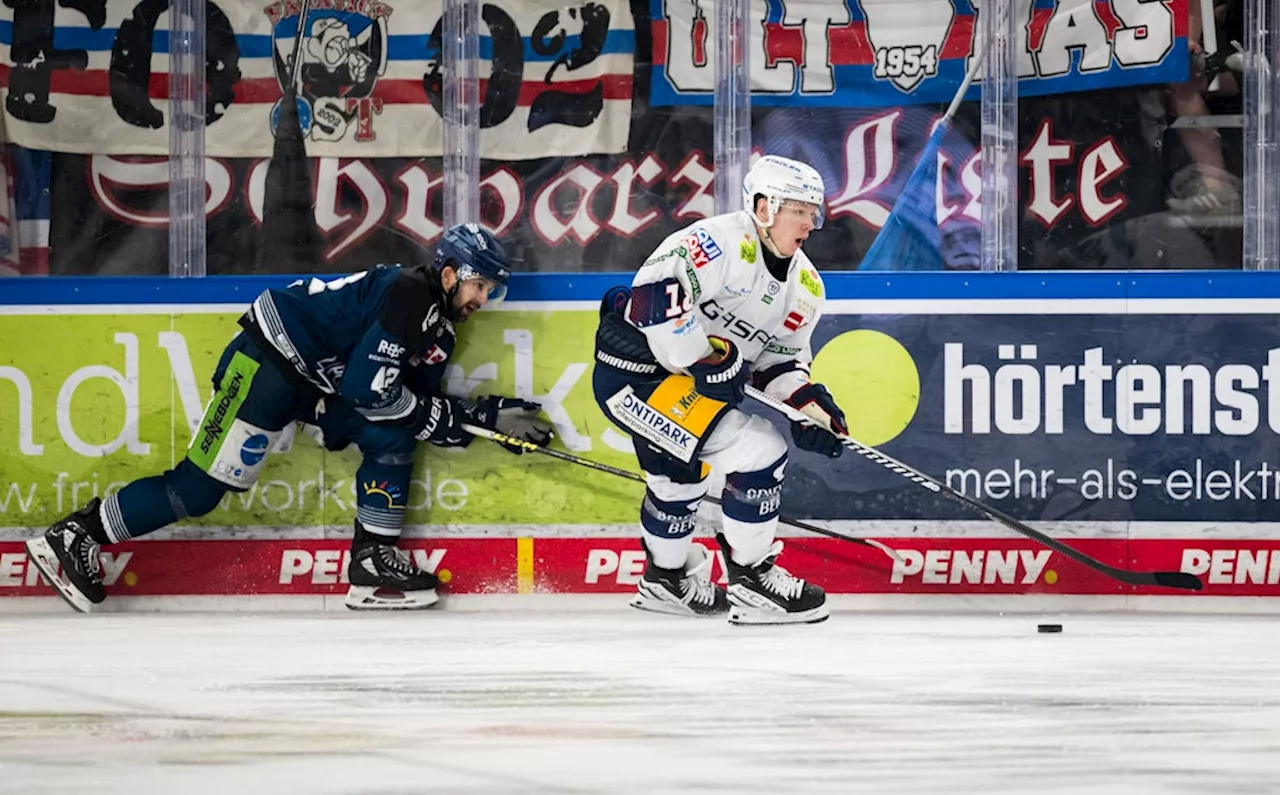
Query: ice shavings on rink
[[602, 698]]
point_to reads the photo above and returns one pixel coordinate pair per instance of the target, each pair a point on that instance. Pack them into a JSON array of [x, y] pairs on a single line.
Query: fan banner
[[555, 79], [875, 53]]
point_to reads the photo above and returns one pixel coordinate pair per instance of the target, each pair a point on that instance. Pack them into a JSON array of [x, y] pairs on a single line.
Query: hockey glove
[[815, 401], [722, 375], [515, 418], [441, 424]]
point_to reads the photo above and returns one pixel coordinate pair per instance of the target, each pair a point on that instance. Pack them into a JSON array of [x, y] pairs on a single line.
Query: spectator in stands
[[1206, 187]]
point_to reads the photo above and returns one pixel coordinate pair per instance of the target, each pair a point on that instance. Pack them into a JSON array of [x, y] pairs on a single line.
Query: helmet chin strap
[[766, 237], [777, 265], [451, 307]]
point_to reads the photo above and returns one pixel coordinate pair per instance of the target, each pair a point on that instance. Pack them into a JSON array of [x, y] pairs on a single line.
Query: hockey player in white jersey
[[725, 300]]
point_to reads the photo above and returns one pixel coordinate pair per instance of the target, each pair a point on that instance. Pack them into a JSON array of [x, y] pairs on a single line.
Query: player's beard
[[462, 311]]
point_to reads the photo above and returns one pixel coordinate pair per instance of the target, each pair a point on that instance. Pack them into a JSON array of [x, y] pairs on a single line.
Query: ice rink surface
[[588, 695]]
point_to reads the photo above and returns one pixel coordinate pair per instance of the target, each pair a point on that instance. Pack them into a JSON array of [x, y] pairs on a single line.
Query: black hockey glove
[[515, 418], [722, 375], [815, 401], [441, 423]]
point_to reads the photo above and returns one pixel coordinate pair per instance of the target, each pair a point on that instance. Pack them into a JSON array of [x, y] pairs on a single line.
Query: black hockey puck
[[1048, 628]]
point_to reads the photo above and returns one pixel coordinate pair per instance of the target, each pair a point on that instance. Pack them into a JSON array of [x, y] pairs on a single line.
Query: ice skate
[[67, 556], [682, 592], [383, 578], [766, 593]]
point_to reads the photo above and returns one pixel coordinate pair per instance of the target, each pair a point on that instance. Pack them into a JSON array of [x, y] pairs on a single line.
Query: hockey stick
[[295, 66], [902, 243], [502, 438], [1168, 579]]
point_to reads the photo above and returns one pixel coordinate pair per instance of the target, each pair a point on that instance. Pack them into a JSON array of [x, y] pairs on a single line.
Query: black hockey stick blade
[[1167, 579], [1178, 579]]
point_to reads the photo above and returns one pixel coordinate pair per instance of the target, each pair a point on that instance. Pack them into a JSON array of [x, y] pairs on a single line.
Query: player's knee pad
[[191, 491], [388, 445], [669, 508], [755, 496]]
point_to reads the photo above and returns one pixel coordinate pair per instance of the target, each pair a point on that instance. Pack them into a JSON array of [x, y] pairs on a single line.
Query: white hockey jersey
[[710, 279]]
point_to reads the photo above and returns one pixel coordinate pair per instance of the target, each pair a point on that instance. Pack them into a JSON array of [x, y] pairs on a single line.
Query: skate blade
[[654, 605], [42, 556], [367, 597], [754, 616], [645, 600]]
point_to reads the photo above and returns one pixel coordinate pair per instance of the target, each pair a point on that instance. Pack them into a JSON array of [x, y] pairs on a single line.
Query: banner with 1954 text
[[874, 53]]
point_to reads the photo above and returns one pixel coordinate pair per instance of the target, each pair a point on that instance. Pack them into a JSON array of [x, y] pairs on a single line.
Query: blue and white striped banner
[[556, 79]]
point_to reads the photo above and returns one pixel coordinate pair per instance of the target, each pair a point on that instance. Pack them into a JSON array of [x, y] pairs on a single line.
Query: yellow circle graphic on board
[[874, 381]]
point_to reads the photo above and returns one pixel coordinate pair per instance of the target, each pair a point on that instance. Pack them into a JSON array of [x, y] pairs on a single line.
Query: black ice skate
[[682, 592], [383, 578], [766, 593], [67, 556]]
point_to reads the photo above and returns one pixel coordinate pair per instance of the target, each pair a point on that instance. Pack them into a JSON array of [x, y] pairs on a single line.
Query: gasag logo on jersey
[[702, 247], [343, 53], [628, 409], [735, 325]]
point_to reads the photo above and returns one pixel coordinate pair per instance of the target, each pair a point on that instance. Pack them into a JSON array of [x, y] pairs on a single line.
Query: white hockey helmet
[[780, 179]]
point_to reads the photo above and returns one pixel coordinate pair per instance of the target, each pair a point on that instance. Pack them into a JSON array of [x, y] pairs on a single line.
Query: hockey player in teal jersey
[[362, 359]]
